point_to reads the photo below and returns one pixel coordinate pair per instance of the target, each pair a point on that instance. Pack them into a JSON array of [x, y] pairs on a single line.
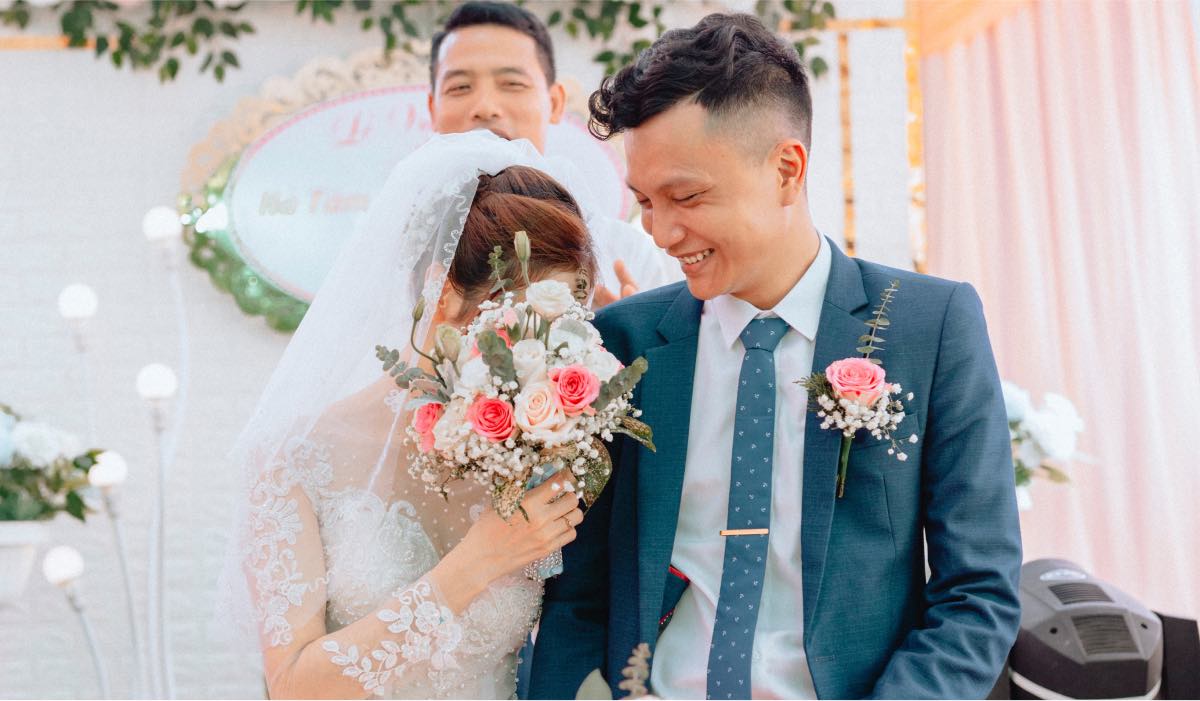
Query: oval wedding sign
[[299, 190]]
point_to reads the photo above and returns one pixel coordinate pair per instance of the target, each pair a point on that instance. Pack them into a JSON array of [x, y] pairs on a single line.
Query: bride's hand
[[494, 547], [551, 515]]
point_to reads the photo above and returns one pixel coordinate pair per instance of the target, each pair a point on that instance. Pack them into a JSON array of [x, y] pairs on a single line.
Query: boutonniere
[[853, 394]]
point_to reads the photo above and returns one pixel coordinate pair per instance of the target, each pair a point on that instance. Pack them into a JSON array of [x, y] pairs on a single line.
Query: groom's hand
[[629, 287]]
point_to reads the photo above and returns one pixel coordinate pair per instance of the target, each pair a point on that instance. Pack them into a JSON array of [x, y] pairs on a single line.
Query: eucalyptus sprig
[[878, 322]]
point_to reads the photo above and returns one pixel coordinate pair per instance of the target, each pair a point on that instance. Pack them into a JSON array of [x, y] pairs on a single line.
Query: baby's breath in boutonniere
[[853, 393]]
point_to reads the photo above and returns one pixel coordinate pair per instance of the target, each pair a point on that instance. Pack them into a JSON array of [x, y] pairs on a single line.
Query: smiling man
[[729, 549], [493, 68]]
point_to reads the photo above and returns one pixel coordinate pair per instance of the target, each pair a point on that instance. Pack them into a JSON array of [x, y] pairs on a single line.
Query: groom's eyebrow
[[511, 70], [677, 181]]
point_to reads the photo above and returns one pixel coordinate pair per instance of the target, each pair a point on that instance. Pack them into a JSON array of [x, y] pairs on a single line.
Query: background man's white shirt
[[779, 668]]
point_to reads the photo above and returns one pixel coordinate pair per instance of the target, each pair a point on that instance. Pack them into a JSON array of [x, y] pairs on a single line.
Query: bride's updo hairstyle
[[520, 198]]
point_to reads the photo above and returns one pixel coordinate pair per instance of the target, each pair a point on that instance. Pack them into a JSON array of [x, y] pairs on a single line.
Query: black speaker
[[1081, 637]]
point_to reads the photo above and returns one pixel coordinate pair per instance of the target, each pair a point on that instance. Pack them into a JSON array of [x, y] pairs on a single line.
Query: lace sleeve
[[409, 641], [424, 634]]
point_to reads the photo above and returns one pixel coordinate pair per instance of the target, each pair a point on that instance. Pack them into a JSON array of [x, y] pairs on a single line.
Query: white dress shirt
[[650, 266], [779, 668]]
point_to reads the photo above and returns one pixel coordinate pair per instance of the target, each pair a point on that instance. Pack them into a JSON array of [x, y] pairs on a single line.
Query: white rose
[[1055, 429], [539, 415], [571, 332], [1016, 401], [42, 444], [447, 432], [474, 378], [604, 364], [529, 360], [549, 298]]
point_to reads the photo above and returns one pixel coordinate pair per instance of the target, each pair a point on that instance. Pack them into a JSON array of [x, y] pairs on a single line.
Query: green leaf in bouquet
[[624, 381], [497, 355], [422, 399], [640, 431], [389, 356], [430, 387], [597, 474]]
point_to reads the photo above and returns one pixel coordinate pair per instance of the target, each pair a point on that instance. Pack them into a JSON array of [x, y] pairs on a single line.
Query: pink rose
[[424, 419], [577, 387], [492, 418], [856, 379]]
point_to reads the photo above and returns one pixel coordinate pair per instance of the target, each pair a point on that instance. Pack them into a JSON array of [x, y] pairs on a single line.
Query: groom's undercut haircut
[[471, 14], [729, 64]]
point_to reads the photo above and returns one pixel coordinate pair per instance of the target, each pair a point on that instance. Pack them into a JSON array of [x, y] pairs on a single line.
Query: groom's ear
[[558, 102], [791, 162]]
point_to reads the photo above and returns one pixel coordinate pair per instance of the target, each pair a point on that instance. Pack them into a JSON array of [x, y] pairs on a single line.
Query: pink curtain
[[1063, 165]]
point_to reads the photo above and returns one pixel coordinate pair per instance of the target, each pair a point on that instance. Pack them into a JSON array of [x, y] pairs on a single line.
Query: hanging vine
[[174, 31]]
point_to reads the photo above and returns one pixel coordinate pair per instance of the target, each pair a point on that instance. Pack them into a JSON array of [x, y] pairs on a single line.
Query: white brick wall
[[84, 151]]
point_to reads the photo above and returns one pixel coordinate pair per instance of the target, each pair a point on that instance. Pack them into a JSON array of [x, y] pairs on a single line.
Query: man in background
[[492, 67]]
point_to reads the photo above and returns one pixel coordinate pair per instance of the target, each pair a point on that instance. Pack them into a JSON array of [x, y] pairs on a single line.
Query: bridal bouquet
[[527, 389]]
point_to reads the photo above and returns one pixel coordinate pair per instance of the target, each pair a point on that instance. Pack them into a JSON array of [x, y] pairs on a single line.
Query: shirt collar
[[800, 307]]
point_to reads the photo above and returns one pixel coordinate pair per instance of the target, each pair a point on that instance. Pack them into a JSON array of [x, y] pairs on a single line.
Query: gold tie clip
[[746, 531]]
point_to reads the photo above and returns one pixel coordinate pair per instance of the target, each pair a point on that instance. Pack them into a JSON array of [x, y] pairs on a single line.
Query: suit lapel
[[837, 338], [667, 404]]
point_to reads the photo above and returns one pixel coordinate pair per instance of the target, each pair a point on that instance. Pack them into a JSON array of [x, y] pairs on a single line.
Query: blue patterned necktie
[[732, 648]]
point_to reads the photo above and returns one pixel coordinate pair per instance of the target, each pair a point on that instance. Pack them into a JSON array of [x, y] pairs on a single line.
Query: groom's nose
[[665, 229], [485, 108]]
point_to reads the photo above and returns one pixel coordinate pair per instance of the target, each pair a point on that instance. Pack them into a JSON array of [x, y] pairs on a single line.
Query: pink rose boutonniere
[[853, 394]]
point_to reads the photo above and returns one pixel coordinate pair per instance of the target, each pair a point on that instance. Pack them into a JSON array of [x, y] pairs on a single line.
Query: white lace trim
[[429, 633], [275, 524]]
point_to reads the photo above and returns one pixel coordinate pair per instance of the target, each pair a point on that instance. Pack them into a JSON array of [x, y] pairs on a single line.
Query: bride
[[359, 581]]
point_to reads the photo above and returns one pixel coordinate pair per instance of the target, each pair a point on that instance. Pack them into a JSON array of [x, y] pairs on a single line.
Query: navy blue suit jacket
[[873, 625]]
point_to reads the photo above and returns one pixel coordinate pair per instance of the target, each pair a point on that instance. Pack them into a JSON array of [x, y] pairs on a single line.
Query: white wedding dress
[[332, 542], [375, 554]]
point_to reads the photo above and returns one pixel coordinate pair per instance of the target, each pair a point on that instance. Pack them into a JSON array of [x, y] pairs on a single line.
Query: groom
[[727, 550]]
